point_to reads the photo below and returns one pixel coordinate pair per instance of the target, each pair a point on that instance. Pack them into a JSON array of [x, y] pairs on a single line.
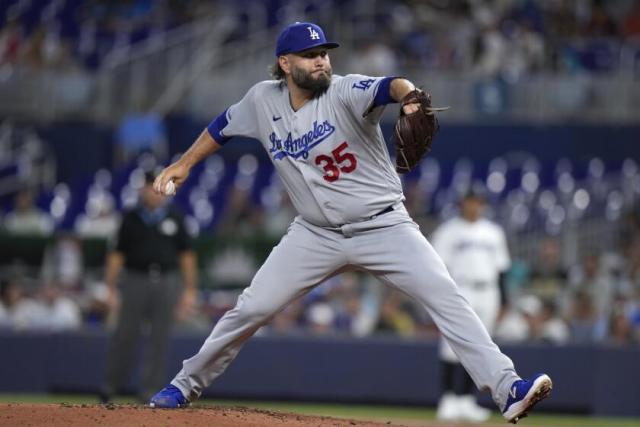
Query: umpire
[[151, 245]]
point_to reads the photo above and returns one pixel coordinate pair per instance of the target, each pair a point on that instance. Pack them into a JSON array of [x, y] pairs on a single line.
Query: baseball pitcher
[[322, 134]]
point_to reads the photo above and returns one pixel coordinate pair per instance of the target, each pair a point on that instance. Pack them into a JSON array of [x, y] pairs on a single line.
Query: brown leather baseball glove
[[413, 134]]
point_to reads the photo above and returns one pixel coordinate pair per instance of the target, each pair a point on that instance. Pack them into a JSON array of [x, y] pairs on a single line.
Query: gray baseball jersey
[[333, 161], [330, 154]]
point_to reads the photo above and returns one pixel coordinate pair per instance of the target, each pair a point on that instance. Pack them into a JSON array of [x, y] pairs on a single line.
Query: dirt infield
[[19, 414]]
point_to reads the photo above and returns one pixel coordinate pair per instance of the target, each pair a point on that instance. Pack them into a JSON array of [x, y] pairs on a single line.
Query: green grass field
[[377, 412]]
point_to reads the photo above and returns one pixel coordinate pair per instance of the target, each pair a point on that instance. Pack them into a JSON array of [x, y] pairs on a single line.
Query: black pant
[[147, 303]]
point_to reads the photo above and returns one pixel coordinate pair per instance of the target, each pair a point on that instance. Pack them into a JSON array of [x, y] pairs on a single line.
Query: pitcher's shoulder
[[267, 87]]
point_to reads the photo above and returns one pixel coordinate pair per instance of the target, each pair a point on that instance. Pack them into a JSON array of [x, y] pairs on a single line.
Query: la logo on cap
[[302, 36], [313, 34]]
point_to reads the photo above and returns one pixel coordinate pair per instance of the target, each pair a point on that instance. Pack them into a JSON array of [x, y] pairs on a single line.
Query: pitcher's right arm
[[203, 147]]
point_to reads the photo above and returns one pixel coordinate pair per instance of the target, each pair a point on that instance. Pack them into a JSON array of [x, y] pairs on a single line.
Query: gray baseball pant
[[389, 246], [146, 301]]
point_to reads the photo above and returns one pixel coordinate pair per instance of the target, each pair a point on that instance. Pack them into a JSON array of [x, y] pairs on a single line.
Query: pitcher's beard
[[316, 85]]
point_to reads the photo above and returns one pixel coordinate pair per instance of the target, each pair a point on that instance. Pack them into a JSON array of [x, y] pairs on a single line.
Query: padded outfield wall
[[587, 379]]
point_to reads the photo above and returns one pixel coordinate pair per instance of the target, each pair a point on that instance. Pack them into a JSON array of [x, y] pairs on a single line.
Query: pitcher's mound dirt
[[20, 414]]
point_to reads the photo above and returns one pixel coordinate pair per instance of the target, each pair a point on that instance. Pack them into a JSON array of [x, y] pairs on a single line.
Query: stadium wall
[[587, 379], [481, 143]]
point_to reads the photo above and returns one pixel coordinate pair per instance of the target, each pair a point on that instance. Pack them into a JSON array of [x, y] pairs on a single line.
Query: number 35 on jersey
[[340, 161]]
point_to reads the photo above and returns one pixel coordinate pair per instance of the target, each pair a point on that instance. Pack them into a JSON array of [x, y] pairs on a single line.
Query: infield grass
[[401, 414]]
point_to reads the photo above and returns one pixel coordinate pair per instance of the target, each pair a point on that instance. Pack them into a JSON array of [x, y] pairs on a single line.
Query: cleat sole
[[543, 391]]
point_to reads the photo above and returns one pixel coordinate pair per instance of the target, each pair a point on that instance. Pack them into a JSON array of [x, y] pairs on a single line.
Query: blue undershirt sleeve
[[216, 126], [383, 95]]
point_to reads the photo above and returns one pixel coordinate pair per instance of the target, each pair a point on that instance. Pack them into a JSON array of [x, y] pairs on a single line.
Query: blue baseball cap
[[301, 36]]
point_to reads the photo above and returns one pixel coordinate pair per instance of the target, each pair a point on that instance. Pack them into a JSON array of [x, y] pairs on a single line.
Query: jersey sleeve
[[503, 260], [240, 119], [366, 96]]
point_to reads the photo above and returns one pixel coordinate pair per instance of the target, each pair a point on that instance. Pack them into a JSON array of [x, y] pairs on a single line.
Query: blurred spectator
[[57, 311], [417, 202], [241, 217], [320, 318], [288, 321], [26, 218], [630, 234], [601, 24], [100, 218], [620, 328], [593, 279], [491, 47], [631, 26], [355, 299], [19, 309], [563, 20], [40, 50], [48, 311], [10, 42], [217, 302], [232, 265], [548, 276], [279, 214], [525, 51], [548, 326], [95, 304], [583, 319], [63, 263], [396, 317], [8, 298], [515, 323]]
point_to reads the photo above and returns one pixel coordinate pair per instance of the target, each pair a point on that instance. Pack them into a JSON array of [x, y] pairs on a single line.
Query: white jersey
[[330, 154], [474, 252]]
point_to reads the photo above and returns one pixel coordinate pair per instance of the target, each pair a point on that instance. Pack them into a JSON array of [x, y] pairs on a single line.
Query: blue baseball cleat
[[524, 394], [169, 397]]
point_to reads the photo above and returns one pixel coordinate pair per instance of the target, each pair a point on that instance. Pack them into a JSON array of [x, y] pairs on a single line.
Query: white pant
[[389, 246]]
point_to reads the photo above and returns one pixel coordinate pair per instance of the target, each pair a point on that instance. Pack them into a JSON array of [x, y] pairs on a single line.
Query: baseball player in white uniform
[[475, 251], [322, 134]]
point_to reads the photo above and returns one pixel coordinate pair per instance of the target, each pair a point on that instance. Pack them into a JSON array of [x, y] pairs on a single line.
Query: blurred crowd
[[507, 38], [595, 300], [68, 34]]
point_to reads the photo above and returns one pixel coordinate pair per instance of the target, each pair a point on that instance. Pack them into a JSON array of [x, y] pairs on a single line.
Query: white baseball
[[170, 189]]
